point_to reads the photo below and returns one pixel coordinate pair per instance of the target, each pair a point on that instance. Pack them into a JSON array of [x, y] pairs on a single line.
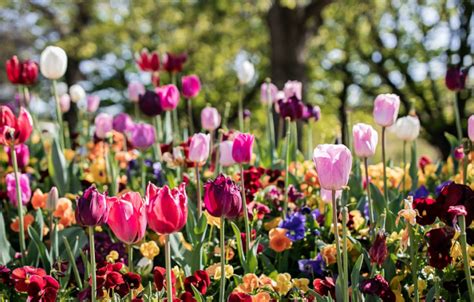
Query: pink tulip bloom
[[122, 123], [225, 154], [65, 103], [199, 148], [326, 195], [293, 88], [169, 96], [333, 165], [167, 210], [386, 109], [93, 102], [142, 136], [135, 89], [24, 188], [127, 217], [242, 148], [191, 85], [210, 118], [268, 93], [365, 140], [103, 125], [470, 127]]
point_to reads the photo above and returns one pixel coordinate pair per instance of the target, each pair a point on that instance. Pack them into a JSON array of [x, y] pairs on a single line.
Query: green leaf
[[238, 240], [413, 168], [252, 262], [378, 200], [57, 168], [32, 257], [355, 275], [41, 248], [197, 294], [5, 245], [72, 234], [453, 140], [339, 288]]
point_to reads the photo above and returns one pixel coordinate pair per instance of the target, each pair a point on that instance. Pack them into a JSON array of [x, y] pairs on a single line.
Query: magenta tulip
[[103, 125], [199, 148], [135, 89], [167, 210], [24, 188], [169, 96], [242, 148], [225, 154], [365, 140], [210, 118], [191, 85], [222, 197], [122, 123], [91, 208], [333, 165], [22, 155], [142, 136], [268, 93], [470, 127], [127, 217], [386, 109]]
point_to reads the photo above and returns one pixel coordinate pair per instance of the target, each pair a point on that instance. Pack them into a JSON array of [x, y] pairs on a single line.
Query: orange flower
[[64, 213], [329, 254], [27, 221], [39, 199], [278, 240], [261, 297], [249, 283]]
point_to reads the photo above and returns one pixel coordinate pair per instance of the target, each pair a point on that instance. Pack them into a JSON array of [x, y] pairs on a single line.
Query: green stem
[[72, 261], [130, 257], [59, 116], [169, 284], [404, 166], [143, 172], [369, 200], [218, 166], [457, 117], [270, 130], [295, 139], [190, 117], [176, 131], [309, 141], [244, 203], [344, 253], [157, 124], [385, 187], [19, 205], [198, 191], [465, 256], [414, 261], [340, 269], [287, 165], [241, 109], [92, 255], [222, 242]]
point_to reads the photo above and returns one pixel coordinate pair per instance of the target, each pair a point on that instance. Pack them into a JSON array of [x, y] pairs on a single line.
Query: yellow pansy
[[301, 284], [284, 284], [229, 271], [149, 249], [272, 224], [112, 256]]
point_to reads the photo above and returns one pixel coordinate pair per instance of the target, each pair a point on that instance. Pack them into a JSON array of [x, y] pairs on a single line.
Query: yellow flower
[[272, 224], [213, 221], [97, 170], [357, 218], [262, 297], [149, 249], [283, 283], [328, 253], [112, 256], [69, 154], [229, 271], [301, 284], [421, 287], [456, 251]]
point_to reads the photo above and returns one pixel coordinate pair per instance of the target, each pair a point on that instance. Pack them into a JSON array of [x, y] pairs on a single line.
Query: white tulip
[[245, 72], [77, 93], [407, 128], [53, 62]]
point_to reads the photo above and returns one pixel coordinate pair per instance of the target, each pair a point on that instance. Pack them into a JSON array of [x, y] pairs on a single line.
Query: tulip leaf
[[33, 255], [453, 140], [252, 261], [355, 275], [35, 237], [238, 239], [319, 298], [414, 168], [197, 294], [339, 288], [57, 168], [5, 245], [378, 201], [73, 235]]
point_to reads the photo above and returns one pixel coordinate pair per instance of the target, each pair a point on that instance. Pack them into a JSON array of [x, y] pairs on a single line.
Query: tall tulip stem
[[340, 269], [385, 187], [344, 253], [169, 284], [270, 126], [241, 108], [244, 203], [176, 125], [404, 180], [130, 257], [93, 268], [287, 165], [158, 126], [465, 256], [414, 266], [309, 140], [457, 117], [198, 191], [19, 207], [222, 243], [189, 104], [59, 116], [369, 200]]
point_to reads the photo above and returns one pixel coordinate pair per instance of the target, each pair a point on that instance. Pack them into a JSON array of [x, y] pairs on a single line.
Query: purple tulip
[[333, 165], [122, 123], [150, 103], [191, 85], [268, 93], [242, 148], [169, 96], [24, 188], [91, 208], [210, 118], [456, 78], [311, 111], [222, 198], [22, 155], [103, 125], [93, 102], [292, 108], [142, 136], [199, 148], [135, 89]]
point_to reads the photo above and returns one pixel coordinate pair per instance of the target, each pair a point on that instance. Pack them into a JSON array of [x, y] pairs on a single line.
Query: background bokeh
[[344, 51]]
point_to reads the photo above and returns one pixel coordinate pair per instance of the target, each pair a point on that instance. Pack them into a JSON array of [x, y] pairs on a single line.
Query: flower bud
[[169, 96], [52, 200], [103, 125], [222, 198], [407, 128], [64, 103], [242, 148], [386, 109], [245, 72], [191, 85], [135, 89], [379, 252], [365, 140], [199, 148]]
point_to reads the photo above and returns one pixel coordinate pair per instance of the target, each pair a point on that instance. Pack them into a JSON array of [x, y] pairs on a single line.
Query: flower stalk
[[169, 285], [340, 268], [344, 253], [369, 200], [93, 266], [21, 232], [465, 255], [198, 191], [414, 268], [59, 116], [241, 108], [222, 243], [384, 162], [287, 165], [244, 204], [130, 257]]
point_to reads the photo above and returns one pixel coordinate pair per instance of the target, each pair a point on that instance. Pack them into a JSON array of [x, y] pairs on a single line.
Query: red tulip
[[127, 217], [174, 63], [14, 70], [148, 61], [23, 73], [21, 126], [167, 211], [222, 197]]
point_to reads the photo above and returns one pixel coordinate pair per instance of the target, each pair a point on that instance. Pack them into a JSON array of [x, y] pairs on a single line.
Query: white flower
[[407, 128], [53, 62], [245, 72], [77, 93]]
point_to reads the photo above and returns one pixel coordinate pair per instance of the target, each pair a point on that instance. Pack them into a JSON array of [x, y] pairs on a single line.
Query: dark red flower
[[187, 297], [423, 162], [200, 280], [109, 277], [292, 108], [257, 208], [132, 281], [173, 63], [378, 251], [293, 194], [147, 61], [42, 289], [455, 195], [427, 209], [23, 73], [378, 286], [4, 274], [239, 297], [326, 286], [149, 103], [439, 247], [456, 78], [159, 278], [21, 276]]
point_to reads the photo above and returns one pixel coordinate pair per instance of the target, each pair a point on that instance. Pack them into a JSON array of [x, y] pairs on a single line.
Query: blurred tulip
[[22, 155], [247, 114], [64, 103], [225, 154], [222, 197], [13, 67], [147, 61], [24, 188], [173, 63], [103, 125], [245, 72], [407, 128], [293, 89], [135, 89], [52, 200], [455, 79], [122, 123], [311, 111], [150, 103], [292, 108], [365, 140], [53, 62], [333, 165], [239, 297], [127, 217], [142, 136], [242, 148], [77, 93], [167, 211], [268, 93], [23, 73], [93, 102], [386, 109], [91, 208], [169, 96], [191, 85], [199, 148], [470, 127], [210, 118], [21, 126]]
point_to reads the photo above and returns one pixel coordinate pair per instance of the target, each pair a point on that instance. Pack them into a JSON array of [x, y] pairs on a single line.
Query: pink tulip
[[242, 148], [167, 210], [386, 109], [127, 217], [225, 154], [293, 88], [103, 125], [268, 93], [142, 136], [93, 102], [191, 85], [135, 89], [210, 118], [122, 123], [65, 103], [24, 188], [326, 195], [365, 140], [333, 165], [169, 96], [22, 155], [470, 127], [199, 148]]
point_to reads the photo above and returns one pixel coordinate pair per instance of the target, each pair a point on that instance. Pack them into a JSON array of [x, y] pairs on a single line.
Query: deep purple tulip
[[191, 85], [378, 251], [292, 108], [91, 208], [456, 78], [122, 123], [142, 136], [222, 197], [310, 112], [150, 103]]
